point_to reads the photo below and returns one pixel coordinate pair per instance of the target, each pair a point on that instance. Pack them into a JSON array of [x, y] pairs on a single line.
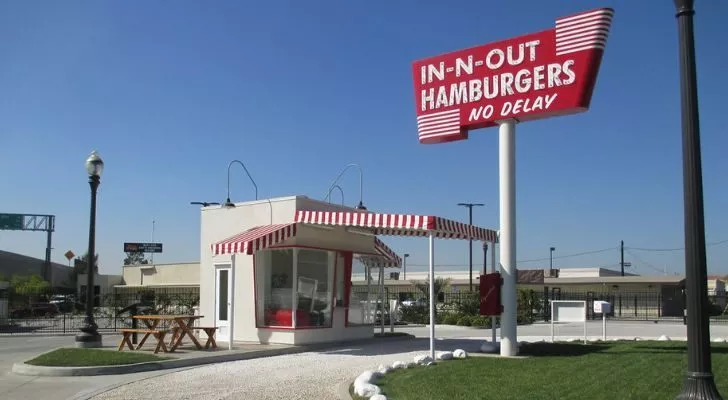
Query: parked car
[[47, 310], [63, 302]]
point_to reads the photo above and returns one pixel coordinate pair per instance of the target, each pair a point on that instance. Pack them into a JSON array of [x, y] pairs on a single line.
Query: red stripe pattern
[[443, 123], [399, 224], [255, 239], [584, 31]]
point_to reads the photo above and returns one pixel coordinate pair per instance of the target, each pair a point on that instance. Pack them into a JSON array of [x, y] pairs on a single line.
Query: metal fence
[[61, 312], [636, 306]]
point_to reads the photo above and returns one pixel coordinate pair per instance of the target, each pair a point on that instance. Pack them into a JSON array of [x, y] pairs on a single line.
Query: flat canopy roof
[[399, 224]]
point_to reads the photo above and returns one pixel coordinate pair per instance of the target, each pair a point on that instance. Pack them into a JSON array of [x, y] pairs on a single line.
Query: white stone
[[423, 359], [367, 390], [384, 369], [444, 355], [427, 364], [571, 340], [664, 338], [488, 347], [638, 339], [399, 365], [719, 340], [366, 377], [378, 397], [460, 353]]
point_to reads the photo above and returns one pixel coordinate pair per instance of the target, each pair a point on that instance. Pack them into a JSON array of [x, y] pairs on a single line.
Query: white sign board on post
[[566, 311], [604, 308]]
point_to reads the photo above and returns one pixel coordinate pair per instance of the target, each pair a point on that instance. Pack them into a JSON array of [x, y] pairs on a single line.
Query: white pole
[[231, 299], [604, 326], [392, 310], [367, 307], [381, 299], [507, 161], [432, 296], [493, 319]]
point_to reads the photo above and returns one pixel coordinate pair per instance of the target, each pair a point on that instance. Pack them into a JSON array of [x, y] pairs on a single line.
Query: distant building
[[18, 264]]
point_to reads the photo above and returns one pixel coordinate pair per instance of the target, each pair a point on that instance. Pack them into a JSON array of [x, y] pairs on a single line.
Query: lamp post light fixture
[[359, 206], [229, 203], [89, 336], [699, 382], [470, 242], [551, 258], [404, 266]]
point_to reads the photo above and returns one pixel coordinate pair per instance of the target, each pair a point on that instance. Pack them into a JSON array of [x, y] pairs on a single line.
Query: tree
[[135, 258], [440, 285], [29, 285], [80, 264]]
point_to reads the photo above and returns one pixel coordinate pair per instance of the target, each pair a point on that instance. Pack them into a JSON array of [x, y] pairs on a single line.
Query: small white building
[[279, 270]]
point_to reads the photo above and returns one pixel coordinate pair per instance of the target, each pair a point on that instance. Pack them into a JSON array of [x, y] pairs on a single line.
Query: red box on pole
[[490, 294]]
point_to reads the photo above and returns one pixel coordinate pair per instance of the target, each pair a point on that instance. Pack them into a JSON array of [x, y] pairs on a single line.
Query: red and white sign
[[530, 77]]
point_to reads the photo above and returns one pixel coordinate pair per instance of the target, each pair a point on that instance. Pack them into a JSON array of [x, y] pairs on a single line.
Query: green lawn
[[69, 357], [606, 371]]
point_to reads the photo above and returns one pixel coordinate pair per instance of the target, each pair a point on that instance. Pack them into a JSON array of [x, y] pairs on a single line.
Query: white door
[[223, 302]]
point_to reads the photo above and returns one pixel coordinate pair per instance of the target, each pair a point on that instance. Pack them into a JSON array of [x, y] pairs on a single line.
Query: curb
[[23, 368]]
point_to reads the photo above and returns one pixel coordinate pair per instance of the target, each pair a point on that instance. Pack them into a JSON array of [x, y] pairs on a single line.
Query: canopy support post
[[433, 299], [381, 298]]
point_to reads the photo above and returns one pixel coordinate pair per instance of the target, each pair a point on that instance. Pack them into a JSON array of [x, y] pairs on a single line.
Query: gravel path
[[298, 376]]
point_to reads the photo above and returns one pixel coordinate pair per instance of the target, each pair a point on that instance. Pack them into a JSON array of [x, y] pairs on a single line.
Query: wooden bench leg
[[210, 339], [160, 342], [126, 340]]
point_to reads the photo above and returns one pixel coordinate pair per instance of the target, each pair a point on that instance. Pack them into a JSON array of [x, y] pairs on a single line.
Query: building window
[[294, 279]]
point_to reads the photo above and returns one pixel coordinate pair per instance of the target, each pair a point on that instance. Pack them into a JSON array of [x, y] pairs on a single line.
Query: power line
[[676, 248], [644, 262]]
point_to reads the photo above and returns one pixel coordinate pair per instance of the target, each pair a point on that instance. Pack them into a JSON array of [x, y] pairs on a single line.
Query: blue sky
[[170, 91]]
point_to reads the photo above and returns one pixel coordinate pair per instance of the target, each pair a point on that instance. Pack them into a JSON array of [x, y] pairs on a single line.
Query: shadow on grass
[[677, 349], [561, 349]]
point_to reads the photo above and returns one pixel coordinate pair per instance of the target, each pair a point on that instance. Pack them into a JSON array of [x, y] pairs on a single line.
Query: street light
[[89, 336], [359, 206], [551, 259], [204, 203], [699, 382], [404, 266], [229, 203], [470, 242]]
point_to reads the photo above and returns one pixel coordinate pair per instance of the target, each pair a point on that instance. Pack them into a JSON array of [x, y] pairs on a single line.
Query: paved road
[[318, 374], [22, 348]]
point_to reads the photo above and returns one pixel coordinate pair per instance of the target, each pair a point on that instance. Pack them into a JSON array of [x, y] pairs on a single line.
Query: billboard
[[142, 247], [529, 77]]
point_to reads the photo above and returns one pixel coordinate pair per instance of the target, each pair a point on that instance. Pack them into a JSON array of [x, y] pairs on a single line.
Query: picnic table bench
[[158, 334], [209, 331]]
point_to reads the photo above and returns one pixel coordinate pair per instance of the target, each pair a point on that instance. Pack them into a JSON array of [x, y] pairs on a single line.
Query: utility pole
[[470, 244], [621, 252], [551, 260], [404, 266]]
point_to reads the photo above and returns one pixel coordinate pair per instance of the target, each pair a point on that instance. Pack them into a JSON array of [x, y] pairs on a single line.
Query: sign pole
[[507, 163], [493, 321], [433, 297]]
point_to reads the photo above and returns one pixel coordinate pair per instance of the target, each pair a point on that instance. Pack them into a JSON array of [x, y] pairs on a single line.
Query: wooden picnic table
[[182, 326]]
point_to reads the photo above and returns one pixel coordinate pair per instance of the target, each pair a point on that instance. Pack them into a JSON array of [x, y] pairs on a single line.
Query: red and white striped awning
[[399, 224], [263, 237], [254, 239], [387, 258]]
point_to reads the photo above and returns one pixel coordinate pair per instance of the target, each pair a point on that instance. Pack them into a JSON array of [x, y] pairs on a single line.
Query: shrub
[[451, 319], [468, 304], [415, 314], [464, 320], [480, 321]]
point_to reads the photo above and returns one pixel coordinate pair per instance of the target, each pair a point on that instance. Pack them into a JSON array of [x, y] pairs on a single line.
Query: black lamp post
[[359, 206], [470, 242], [698, 383], [89, 336], [551, 258], [229, 203]]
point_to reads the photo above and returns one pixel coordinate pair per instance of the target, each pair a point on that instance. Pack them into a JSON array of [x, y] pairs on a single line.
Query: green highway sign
[[13, 222]]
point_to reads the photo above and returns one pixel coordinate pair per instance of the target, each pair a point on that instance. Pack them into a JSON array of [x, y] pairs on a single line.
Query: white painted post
[[507, 166], [392, 310], [493, 319], [381, 298], [231, 299], [367, 305], [604, 326], [433, 298]]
